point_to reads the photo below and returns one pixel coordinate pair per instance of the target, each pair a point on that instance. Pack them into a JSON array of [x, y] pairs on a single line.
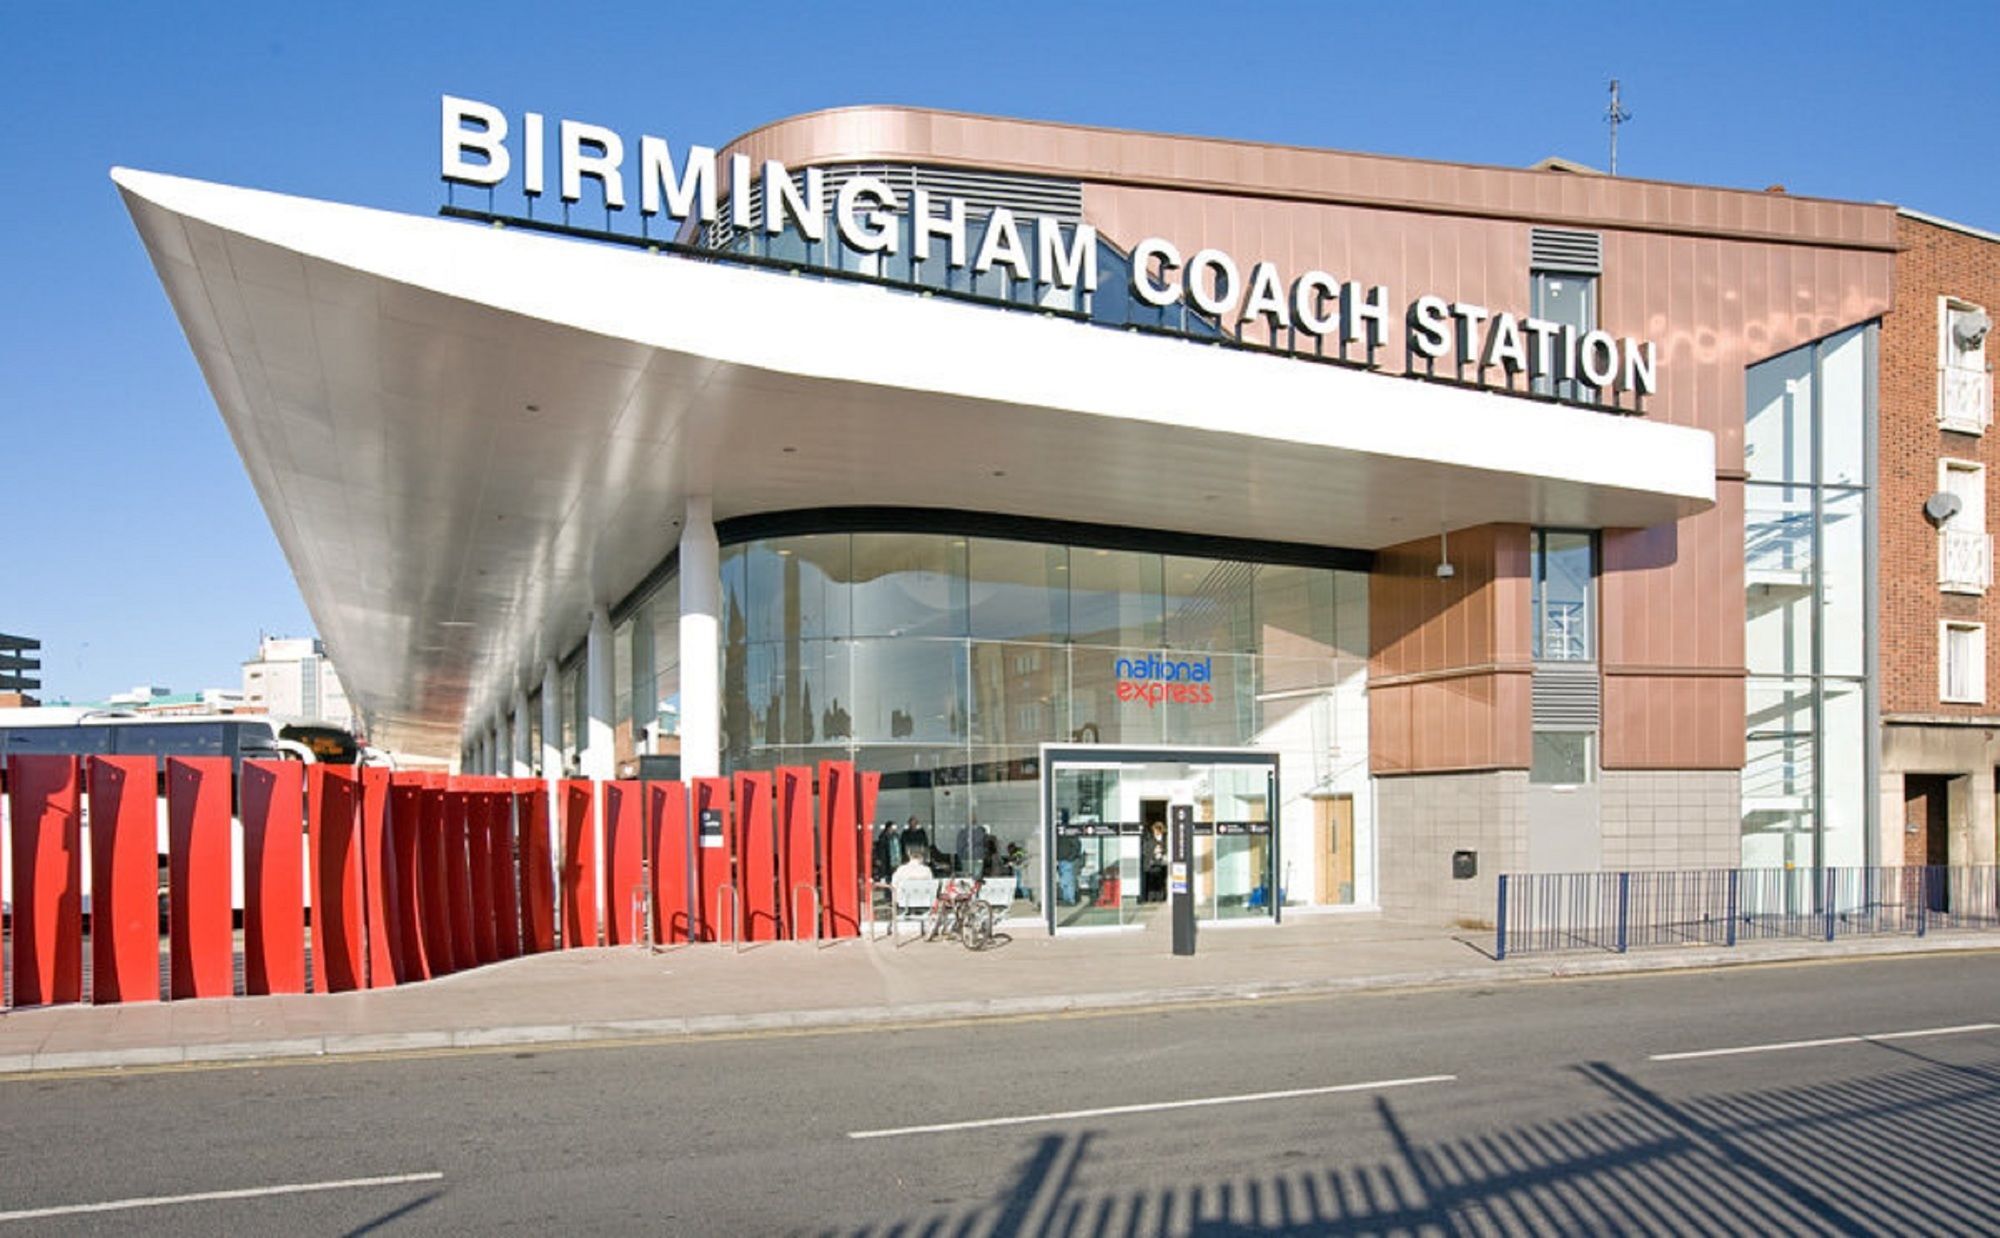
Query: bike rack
[[735, 913], [808, 888]]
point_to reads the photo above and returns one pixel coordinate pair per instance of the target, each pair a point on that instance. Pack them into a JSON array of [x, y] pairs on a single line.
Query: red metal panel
[[867, 789], [458, 817], [332, 811], [579, 864], [839, 834], [48, 880], [201, 948], [538, 881], [273, 799], [435, 872], [379, 907], [501, 848], [757, 857], [713, 917], [405, 857], [666, 814], [798, 856], [623, 864], [124, 881], [479, 869]]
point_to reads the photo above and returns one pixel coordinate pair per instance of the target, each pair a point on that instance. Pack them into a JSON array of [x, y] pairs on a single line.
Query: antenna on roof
[[1615, 115]]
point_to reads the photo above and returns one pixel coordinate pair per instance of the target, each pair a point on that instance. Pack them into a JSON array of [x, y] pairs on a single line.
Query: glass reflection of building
[[945, 662]]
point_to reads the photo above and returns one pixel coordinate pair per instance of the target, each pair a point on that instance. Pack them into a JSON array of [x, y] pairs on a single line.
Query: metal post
[[1500, 923], [1624, 909], [1735, 876], [1923, 900], [1830, 875], [813, 890], [735, 913]]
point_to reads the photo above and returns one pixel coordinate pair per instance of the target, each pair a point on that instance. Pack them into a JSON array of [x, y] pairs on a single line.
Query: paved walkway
[[630, 993]]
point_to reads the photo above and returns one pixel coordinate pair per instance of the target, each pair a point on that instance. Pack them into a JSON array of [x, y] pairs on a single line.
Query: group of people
[[974, 852]]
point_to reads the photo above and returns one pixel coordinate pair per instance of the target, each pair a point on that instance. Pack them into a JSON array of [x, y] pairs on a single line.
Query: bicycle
[[959, 912]]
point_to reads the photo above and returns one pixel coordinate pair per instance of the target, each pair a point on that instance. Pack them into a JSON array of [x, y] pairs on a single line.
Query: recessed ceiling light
[[534, 408], [790, 450], [999, 472]]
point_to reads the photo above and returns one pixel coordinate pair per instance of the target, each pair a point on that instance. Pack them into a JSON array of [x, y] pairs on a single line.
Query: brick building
[[1940, 754]]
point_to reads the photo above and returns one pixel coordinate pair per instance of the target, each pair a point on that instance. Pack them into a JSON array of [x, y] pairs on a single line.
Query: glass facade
[[1807, 525], [945, 662]]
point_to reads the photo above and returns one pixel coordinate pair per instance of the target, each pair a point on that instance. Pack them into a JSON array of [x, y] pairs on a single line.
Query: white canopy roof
[[466, 436]]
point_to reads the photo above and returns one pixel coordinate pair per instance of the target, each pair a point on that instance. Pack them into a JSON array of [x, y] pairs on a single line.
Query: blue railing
[[1538, 913]]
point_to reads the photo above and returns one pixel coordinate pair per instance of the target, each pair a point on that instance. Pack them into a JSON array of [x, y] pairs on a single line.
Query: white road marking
[[1781, 1046], [253, 1192], [1153, 1107]]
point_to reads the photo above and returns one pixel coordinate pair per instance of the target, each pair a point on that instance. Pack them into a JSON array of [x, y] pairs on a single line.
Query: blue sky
[[138, 552]]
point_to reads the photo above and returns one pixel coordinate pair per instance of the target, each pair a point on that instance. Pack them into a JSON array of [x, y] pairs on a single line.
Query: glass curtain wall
[[1807, 524], [944, 662]]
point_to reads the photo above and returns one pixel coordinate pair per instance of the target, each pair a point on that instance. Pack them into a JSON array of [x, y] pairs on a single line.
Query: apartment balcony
[[1965, 399], [1965, 560]]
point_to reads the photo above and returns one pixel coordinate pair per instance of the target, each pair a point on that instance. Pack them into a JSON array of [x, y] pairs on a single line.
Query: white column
[[597, 755], [701, 689], [503, 739], [552, 769], [523, 759], [552, 755]]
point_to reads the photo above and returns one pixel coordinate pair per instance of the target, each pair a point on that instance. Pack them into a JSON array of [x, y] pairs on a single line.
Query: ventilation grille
[[1566, 696], [1558, 249], [981, 191]]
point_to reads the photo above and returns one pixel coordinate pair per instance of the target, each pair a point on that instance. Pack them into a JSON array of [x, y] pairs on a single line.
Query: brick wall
[[1934, 262]]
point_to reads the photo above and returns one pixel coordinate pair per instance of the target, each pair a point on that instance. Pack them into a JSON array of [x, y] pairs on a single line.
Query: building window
[[1965, 385], [1965, 548], [1808, 527], [1962, 663], [1565, 565], [1564, 758]]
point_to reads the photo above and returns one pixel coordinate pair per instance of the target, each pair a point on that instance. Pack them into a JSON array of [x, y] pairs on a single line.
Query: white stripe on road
[[1783, 1045], [1154, 1107], [254, 1192]]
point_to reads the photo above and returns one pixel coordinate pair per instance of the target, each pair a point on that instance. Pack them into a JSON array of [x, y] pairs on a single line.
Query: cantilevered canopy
[[466, 436]]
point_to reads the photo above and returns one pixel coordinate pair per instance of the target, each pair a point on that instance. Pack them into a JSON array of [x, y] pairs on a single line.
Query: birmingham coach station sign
[[478, 148]]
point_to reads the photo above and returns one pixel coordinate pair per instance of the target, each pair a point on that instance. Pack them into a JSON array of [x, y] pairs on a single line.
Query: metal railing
[[1539, 913], [1965, 398], [1965, 559]]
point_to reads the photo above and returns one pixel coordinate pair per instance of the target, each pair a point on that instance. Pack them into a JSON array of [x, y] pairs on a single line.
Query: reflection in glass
[[1114, 598], [909, 584]]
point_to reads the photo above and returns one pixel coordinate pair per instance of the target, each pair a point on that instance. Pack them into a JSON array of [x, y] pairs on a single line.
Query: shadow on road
[[1915, 1151]]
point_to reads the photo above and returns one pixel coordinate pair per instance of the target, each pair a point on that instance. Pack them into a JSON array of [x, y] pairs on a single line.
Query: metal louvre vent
[[1559, 249], [981, 191], [1566, 696]]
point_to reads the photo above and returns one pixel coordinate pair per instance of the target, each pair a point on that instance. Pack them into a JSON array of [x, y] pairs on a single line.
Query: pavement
[[636, 994]]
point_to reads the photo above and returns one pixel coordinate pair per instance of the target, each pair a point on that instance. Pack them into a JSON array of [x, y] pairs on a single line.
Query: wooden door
[[1333, 847]]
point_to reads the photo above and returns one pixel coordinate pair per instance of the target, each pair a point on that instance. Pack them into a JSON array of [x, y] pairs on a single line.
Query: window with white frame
[[1965, 548], [1965, 386], [1962, 663]]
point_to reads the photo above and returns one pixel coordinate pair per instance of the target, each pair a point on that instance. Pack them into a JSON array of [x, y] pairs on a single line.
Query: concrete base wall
[[1969, 756], [1672, 818], [1647, 819], [1422, 819]]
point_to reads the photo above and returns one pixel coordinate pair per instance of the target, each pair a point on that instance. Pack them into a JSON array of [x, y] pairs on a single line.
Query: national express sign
[[1159, 680], [479, 148]]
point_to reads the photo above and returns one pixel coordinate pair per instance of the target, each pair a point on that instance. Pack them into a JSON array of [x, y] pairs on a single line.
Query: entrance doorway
[[1100, 804], [1927, 833]]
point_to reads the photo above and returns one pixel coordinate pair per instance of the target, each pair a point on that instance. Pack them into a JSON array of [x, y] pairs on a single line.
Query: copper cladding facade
[[1717, 279]]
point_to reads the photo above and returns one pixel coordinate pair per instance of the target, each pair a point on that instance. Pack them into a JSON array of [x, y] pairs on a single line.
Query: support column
[[598, 760], [701, 661], [552, 755], [503, 738], [524, 760]]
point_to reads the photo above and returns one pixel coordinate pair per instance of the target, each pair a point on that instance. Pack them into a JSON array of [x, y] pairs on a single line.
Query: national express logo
[[1157, 680]]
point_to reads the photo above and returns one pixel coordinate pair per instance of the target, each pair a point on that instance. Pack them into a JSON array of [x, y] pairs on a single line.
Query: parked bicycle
[[960, 913]]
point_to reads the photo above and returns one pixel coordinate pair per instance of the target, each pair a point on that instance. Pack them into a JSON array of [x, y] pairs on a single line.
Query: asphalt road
[[1524, 1108]]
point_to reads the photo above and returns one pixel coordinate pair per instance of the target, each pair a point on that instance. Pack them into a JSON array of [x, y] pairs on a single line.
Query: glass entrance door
[[1104, 827]]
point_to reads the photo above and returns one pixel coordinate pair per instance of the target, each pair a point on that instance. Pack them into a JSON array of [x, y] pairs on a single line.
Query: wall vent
[[1560, 249], [1566, 696]]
